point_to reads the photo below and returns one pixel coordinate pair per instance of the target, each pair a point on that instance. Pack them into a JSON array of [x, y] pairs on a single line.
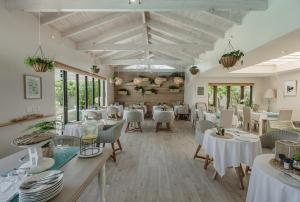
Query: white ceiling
[[156, 32]]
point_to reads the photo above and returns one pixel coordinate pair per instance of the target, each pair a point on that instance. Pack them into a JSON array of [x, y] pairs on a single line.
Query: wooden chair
[[226, 118], [112, 135], [134, 117], [161, 117]]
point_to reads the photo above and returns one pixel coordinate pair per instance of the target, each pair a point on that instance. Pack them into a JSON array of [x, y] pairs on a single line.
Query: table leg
[[215, 175], [240, 174], [260, 126], [102, 183]]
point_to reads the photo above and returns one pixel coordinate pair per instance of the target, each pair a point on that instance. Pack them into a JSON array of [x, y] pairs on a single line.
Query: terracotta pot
[[40, 67], [194, 71], [228, 61]]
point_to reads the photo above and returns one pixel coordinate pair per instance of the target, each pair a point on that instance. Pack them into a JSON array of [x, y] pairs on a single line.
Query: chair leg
[[247, 170], [114, 152], [197, 151], [140, 126], [119, 144], [168, 126], [127, 128], [207, 161], [157, 127], [103, 144]]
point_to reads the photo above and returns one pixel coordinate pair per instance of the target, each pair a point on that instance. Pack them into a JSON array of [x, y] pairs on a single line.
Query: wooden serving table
[[79, 173]]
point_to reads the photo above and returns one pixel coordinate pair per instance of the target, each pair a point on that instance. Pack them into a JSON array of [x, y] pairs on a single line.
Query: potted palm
[[194, 70], [40, 63], [95, 69]]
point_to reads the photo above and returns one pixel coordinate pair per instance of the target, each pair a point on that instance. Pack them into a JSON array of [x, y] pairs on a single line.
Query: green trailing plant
[[43, 127], [95, 69], [140, 88], [296, 157], [173, 87], [39, 60], [124, 90], [236, 53]]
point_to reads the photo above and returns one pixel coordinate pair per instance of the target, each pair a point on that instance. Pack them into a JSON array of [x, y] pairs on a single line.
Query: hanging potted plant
[[194, 70], [150, 91], [230, 58], [40, 63], [140, 89], [95, 69]]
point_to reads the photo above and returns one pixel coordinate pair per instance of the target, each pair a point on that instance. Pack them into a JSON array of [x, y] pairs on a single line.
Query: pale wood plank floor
[[159, 167]]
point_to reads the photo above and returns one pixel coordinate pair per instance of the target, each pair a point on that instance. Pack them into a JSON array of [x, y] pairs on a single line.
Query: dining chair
[[134, 117], [111, 134], [285, 115], [161, 117], [183, 112], [91, 115], [200, 114], [201, 105], [247, 120], [226, 118], [201, 127], [66, 140], [112, 112]]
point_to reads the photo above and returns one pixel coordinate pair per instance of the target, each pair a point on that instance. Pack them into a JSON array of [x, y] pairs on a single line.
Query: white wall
[[18, 39], [192, 82], [277, 82]]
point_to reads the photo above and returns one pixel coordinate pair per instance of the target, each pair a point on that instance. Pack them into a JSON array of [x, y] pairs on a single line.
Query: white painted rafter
[[54, 17], [93, 24], [142, 47], [179, 33], [112, 34], [121, 5], [192, 24], [143, 62]]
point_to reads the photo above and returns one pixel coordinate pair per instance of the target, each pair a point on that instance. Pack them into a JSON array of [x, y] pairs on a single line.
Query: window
[[74, 93], [72, 97]]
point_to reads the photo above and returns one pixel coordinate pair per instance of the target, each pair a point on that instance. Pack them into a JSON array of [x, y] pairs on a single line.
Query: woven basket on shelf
[[286, 147]]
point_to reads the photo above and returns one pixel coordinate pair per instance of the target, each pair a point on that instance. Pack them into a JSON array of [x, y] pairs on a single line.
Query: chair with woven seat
[[247, 119], [183, 112], [66, 140], [201, 127], [226, 118], [112, 112], [134, 117], [111, 134]]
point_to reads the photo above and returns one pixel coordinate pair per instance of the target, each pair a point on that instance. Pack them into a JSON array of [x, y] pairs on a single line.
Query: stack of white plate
[[42, 192]]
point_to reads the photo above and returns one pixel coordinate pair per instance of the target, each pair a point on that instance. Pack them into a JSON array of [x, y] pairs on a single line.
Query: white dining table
[[158, 111], [269, 184], [120, 109], [125, 113], [102, 111], [78, 129], [243, 147]]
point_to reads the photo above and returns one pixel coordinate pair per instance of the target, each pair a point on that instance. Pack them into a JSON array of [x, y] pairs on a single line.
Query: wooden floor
[[159, 167]]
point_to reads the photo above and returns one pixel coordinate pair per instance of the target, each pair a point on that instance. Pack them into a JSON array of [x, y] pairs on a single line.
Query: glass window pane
[[59, 95], [90, 92], [247, 96], [72, 95], [97, 101], [81, 95], [210, 95], [222, 97], [235, 95]]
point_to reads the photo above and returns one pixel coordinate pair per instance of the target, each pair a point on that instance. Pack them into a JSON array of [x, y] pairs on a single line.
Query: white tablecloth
[[103, 112], [266, 186], [139, 110], [213, 118], [156, 114], [230, 152], [182, 108], [120, 109], [79, 129]]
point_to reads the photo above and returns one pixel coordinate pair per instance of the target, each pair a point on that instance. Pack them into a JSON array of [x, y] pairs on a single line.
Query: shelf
[[23, 121]]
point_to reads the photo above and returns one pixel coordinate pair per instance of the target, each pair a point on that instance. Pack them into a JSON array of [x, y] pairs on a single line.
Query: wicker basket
[[194, 71], [95, 71], [286, 147], [228, 61], [40, 67]]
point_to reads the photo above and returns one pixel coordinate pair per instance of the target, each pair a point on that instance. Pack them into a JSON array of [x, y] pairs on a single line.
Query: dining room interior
[[139, 100]]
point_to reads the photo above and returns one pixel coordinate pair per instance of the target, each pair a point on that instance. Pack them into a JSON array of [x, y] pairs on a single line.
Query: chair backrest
[[204, 125], [112, 134], [226, 118], [200, 114], [91, 115], [201, 105], [66, 140], [134, 116], [184, 109], [285, 115], [163, 116], [247, 114], [112, 110]]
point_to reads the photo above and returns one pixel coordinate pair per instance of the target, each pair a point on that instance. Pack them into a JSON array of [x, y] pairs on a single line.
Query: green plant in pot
[[43, 127], [194, 70], [95, 69], [40, 63], [174, 89], [140, 89], [296, 162], [230, 59]]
